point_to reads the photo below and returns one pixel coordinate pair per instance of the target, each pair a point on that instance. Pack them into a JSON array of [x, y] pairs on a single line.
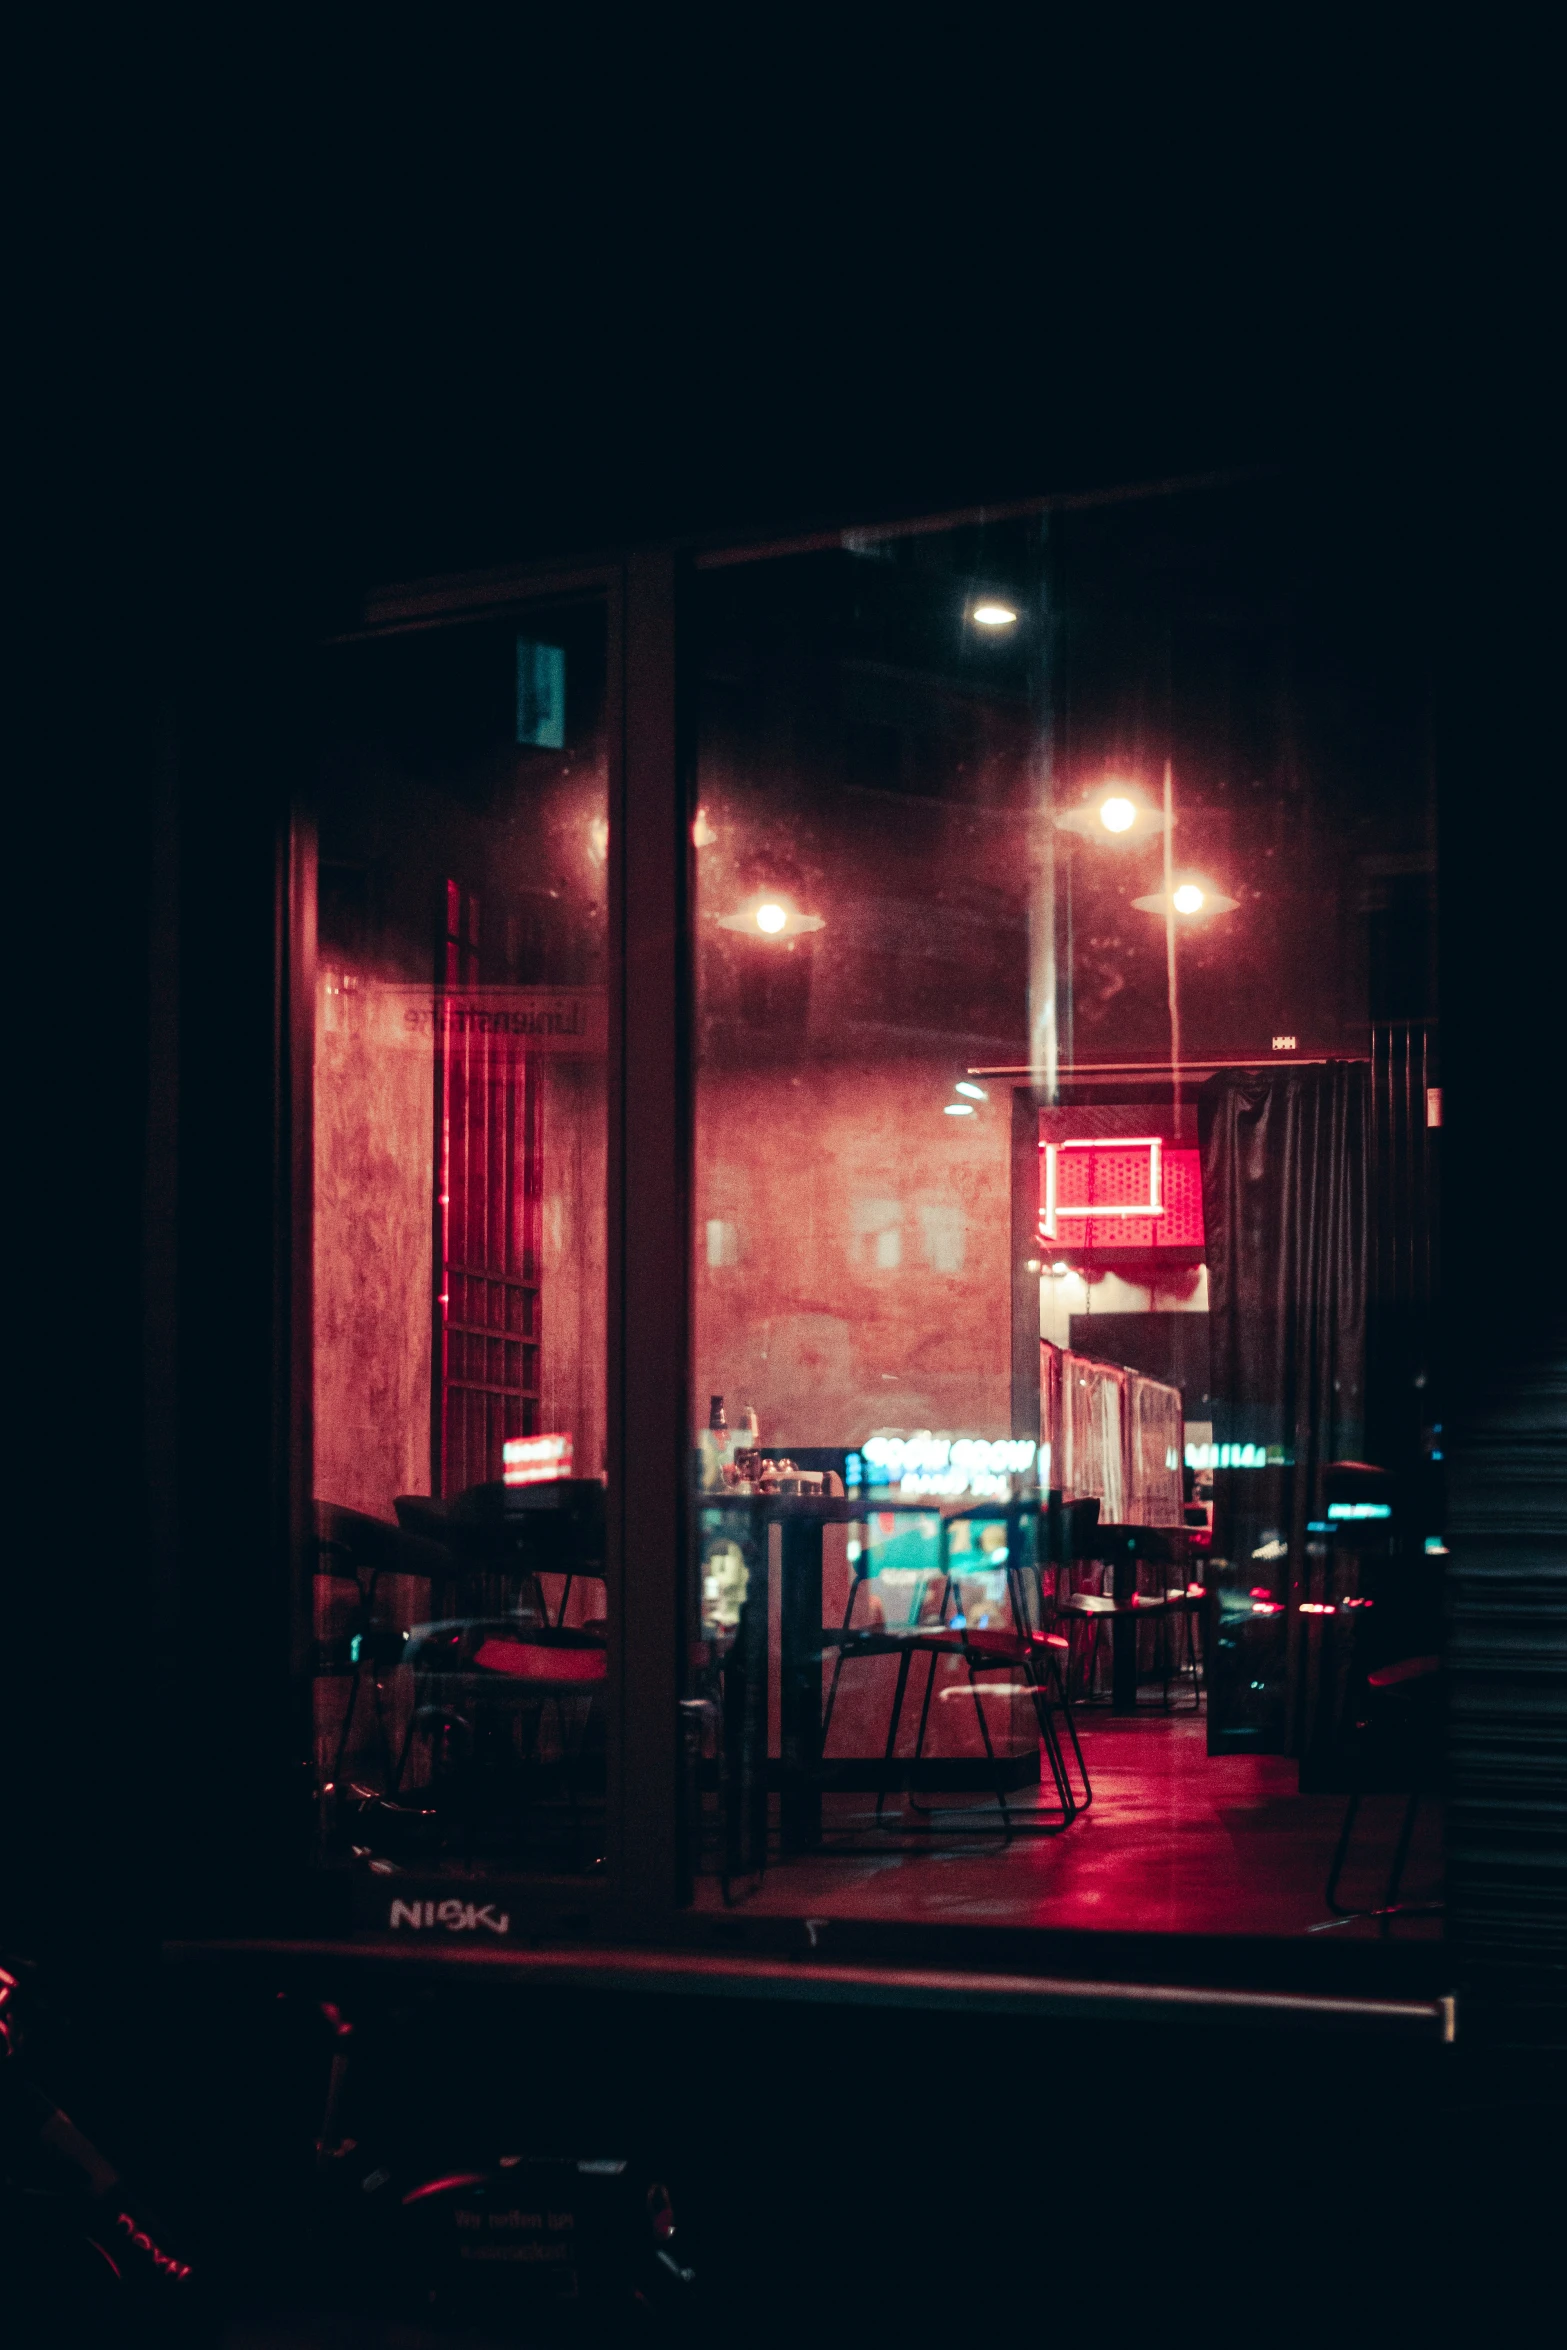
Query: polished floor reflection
[[1176, 1841]]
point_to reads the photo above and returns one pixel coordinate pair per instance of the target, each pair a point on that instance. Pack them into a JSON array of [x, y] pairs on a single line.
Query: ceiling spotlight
[[1117, 814], [769, 914], [959, 1109], [994, 615], [1190, 896], [773, 918], [974, 1093]]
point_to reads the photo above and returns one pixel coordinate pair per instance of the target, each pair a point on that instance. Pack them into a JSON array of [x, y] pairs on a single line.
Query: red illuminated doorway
[[487, 1218]]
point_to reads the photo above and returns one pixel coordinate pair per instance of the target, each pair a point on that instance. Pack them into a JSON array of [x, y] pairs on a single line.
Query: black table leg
[[745, 1725], [800, 1685], [1123, 1640]]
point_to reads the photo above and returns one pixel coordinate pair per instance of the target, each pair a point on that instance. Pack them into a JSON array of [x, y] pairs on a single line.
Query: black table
[[801, 1519]]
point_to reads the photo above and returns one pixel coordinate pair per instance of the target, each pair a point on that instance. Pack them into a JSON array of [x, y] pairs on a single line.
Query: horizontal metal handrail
[[734, 1975]]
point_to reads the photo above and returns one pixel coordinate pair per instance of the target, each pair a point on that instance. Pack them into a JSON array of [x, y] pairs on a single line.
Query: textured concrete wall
[[851, 1252], [374, 1212], [374, 1215], [572, 1145]]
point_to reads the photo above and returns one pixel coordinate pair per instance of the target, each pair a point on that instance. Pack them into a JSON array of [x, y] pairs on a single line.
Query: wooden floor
[[1174, 1842]]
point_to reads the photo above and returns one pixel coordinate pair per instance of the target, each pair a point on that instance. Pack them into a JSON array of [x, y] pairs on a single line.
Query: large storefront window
[[1066, 1453], [459, 1216]]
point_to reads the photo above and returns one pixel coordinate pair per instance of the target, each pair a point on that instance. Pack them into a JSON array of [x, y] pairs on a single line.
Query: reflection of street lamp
[[769, 914], [1118, 811], [1191, 895], [1114, 813]]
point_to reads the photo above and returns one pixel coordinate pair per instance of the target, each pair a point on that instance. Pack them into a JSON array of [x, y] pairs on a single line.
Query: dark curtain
[[1286, 1200]]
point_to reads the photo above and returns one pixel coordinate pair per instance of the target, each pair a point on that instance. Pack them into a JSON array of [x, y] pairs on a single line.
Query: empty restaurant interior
[[1066, 1511]]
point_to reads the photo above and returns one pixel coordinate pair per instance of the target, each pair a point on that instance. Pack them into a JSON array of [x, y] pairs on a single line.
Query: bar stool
[[1400, 1729], [504, 1535], [489, 1670], [475, 1678], [357, 1550], [1124, 1550]]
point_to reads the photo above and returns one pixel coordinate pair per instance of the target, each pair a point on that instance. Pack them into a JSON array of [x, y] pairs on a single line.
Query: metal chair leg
[[1400, 1856], [892, 1731], [1340, 1855], [1064, 1692], [1052, 1746], [348, 1723]]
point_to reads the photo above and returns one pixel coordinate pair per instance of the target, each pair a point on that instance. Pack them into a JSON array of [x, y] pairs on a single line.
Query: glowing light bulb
[[994, 616], [1117, 814], [1188, 898], [972, 1093], [771, 918], [1058, 1269], [959, 1109]]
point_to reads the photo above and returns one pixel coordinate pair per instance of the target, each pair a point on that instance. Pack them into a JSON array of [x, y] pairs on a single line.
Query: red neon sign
[[1120, 1191]]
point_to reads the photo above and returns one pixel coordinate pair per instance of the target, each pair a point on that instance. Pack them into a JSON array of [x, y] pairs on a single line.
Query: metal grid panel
[[488, 1209]]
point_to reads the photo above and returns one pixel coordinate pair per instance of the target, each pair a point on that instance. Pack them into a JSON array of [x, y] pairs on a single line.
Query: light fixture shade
[[1115, 813], [1195, 899], [770, 914]]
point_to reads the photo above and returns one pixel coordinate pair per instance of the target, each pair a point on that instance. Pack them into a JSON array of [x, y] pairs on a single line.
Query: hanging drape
[[1286, 1196]]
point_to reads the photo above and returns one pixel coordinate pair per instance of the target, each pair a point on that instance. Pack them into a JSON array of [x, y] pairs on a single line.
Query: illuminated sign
[[947, 1468], [1237, 1456], [1112, 1177], [1359, 1509], [1120, 1191], [535, 1460]]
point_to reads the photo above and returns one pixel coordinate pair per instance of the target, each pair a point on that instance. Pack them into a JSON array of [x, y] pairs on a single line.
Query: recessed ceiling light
[[993, 615]]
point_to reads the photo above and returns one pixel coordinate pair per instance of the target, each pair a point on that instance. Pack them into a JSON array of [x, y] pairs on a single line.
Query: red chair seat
[[530, 1660]]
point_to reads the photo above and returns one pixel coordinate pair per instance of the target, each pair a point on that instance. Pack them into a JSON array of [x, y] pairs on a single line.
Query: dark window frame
[[643, 1892]]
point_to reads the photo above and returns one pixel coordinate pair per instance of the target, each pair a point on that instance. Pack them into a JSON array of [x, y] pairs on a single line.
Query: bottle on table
[[717, 1447]]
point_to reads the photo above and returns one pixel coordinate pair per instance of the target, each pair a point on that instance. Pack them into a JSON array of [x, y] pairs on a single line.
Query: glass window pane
[[459, 1238], [1064, 1416]]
